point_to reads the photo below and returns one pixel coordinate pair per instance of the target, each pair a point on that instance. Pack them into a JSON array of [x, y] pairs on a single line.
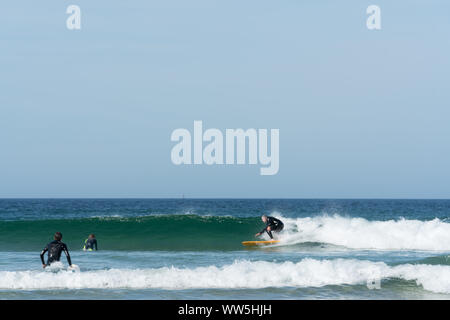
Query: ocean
[[191, 249]]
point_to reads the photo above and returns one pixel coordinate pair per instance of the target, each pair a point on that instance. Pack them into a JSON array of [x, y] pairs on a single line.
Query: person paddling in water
[[91, 243], [55, 248], [272, 224]]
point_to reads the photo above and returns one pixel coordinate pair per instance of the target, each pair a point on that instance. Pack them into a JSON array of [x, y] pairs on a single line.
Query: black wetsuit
[[90, 243], [274, 224], [54, 249]]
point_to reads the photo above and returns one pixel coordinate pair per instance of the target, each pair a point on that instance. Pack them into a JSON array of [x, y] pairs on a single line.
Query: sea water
[[191, 249]]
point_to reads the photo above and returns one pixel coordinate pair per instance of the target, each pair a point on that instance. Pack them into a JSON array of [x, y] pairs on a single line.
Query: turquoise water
[[190, 249]]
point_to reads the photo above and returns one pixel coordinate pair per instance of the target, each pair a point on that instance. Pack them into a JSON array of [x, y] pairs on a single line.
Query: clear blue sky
[[89, 113]]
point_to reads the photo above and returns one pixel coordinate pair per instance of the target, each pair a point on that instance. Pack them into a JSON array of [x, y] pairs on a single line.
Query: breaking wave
[[195, 232], [238, 275]]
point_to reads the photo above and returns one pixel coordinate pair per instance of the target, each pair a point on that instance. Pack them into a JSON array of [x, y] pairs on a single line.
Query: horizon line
[[211, 198]]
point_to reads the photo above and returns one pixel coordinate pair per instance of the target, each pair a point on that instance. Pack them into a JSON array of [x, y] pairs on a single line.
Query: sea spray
[[359, 233]]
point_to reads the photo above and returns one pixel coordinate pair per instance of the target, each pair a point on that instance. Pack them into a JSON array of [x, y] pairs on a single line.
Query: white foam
[[359, 233], [240, 274]]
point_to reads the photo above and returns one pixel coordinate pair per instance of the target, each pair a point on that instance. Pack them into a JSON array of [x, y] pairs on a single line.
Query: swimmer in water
[[54, 250], [90, 243]]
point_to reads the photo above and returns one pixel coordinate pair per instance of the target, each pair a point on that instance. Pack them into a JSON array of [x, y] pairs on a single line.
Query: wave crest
[[238, 275], [359, 233]]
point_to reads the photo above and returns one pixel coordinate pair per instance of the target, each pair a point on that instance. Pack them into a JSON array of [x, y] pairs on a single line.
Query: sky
[[89, 113]]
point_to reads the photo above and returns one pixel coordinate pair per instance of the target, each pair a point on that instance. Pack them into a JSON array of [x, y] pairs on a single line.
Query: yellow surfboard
[[259, 243]]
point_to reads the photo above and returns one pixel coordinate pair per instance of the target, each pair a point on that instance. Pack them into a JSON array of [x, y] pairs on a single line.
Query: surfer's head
[[264, 218], [92, 236], [58, 236]]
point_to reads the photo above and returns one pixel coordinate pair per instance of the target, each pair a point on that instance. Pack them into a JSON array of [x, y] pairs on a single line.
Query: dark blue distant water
[[34, 209]]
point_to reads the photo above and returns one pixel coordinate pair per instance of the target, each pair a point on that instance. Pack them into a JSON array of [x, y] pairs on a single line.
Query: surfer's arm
[[42, 256], [261, 232], [66, 252], [95, 244]]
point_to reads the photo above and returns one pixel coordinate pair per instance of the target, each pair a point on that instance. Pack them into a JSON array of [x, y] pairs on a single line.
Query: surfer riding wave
[[272, 224]]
